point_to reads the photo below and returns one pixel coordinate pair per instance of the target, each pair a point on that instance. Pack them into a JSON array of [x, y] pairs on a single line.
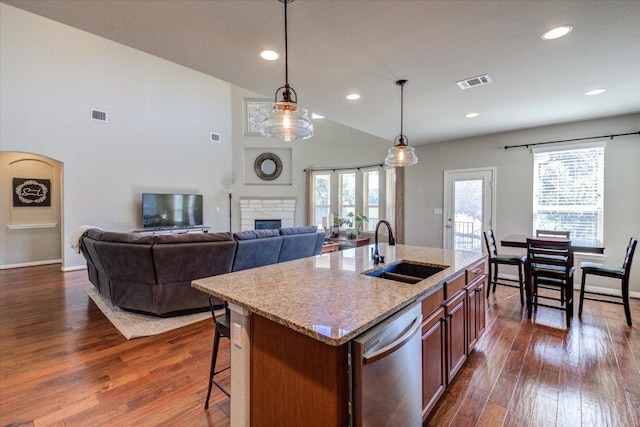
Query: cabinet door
[[472, 315], [482, 309], [434, 372], [476, 315], [456, 327]]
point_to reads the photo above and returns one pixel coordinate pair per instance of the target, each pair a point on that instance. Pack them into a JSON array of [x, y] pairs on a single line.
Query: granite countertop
[[326, 297]]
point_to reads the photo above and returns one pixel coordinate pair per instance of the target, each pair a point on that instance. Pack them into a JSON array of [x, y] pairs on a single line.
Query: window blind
[[568, 191]]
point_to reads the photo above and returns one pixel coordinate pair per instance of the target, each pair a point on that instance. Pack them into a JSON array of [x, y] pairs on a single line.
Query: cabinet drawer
[[453, 285], [432, 302], [475, 271]]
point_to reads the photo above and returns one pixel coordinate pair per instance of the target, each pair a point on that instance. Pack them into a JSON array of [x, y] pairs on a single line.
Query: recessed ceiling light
[[472, 115], [557, 32], [353, 96], [595, 92], [316, 116], [269, 55]]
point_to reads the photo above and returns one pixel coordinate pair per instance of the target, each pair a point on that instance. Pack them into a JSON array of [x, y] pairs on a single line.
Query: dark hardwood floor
[[63, 363]]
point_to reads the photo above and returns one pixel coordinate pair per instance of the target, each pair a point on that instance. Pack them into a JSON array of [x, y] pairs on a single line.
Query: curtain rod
[[506, 147], [344, 168]]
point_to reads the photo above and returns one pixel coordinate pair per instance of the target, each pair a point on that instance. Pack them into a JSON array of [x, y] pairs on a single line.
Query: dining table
[[589, 246]]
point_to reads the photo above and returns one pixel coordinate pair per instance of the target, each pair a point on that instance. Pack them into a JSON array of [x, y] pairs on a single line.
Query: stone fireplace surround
[[252, 208]]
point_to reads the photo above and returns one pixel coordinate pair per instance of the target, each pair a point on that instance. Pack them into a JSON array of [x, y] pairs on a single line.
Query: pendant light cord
[[401, 111], [286, 47]]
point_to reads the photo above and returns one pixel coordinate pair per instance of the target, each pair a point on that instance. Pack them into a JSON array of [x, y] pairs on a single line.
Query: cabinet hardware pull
[[477, 271]]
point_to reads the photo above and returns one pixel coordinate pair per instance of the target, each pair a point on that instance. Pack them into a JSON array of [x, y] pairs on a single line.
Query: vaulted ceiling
[[337, 47]]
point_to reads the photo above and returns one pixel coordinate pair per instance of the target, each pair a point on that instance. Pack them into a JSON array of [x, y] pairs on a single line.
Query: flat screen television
[[171, 210]]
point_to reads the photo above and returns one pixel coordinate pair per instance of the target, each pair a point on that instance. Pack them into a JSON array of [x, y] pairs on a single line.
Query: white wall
[[424, 189], [333, 145], [159, 118]]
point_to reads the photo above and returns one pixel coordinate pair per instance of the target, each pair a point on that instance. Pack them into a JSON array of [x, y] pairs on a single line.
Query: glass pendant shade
[[401, 154], [288, 122]]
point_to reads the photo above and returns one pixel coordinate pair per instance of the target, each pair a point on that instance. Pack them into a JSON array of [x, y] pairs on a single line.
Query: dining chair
[[615, 272], [222, 330], [553, 233], [550, 265], [496, 259]]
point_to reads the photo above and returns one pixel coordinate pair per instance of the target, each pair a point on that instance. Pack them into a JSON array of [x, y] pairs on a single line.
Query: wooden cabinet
[[476, 315], [456, 333], [455, 319], [434, 371]]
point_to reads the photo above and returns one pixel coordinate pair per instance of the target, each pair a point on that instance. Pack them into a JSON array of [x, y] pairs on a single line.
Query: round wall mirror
[[268, 166]]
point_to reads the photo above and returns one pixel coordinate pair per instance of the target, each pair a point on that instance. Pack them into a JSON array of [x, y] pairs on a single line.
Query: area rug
[[134, 325]]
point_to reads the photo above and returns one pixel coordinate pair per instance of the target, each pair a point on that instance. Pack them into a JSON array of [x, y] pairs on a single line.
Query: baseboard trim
[[30, 264], [74, 268]]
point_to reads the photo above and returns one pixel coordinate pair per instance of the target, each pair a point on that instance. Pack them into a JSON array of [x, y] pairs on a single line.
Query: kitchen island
[[292, 322]]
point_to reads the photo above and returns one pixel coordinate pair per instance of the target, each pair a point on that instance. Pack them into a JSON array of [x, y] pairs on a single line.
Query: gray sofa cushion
[[298, 242], [256, 248], [306, 229]]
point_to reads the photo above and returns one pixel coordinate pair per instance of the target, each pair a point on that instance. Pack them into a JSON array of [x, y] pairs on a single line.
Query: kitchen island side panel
[[296, 380]]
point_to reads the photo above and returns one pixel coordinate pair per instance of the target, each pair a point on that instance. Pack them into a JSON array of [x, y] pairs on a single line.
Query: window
[[369, 192], [568, 189], [347, 194], [321, 197], [371, 196]]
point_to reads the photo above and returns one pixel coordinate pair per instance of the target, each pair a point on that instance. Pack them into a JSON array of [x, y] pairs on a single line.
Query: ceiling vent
[[214, 137], [474, 81], [98, 115]]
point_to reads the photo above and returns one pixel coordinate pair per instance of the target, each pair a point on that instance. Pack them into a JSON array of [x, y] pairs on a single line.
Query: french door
[[469, 207]]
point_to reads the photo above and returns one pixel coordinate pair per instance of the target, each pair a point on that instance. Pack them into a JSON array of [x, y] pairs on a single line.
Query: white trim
[[28, 226], [446, 202], [30, 264], [74, 268]]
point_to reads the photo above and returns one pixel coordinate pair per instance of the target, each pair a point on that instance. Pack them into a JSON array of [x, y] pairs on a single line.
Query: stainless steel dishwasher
[[387, 372]]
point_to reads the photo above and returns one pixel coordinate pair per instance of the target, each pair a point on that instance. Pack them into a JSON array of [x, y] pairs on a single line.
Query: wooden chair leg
[[489, 285], [625, 300], [521, 282], [582, 286], [495, 277], [214, 357]]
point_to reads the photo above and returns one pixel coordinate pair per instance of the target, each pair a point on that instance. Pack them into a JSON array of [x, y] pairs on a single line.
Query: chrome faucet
[[375, 255]]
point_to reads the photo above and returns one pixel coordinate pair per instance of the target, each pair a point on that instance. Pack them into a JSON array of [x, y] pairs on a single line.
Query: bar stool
[[495, 260], [550, 263], [615, 272], [222, 331]]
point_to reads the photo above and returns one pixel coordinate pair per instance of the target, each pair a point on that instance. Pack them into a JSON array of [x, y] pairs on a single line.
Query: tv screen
[[171, 210]]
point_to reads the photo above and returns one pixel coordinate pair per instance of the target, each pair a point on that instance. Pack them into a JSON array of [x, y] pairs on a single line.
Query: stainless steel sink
[[405, 271]]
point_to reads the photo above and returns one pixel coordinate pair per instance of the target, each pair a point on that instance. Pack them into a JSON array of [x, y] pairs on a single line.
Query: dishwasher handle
[[388, 349]]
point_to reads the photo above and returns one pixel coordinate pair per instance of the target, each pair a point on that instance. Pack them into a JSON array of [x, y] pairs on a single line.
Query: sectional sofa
[[153, 274]]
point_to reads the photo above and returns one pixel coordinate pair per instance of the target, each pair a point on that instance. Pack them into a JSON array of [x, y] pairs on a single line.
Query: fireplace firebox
[[268, 224]]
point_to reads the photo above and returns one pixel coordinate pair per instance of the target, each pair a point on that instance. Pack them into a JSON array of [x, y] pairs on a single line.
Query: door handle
[[388, 349]]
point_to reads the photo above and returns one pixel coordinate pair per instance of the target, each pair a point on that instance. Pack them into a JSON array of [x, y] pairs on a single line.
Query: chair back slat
[[555, 251], [628, 257], [490, 242]]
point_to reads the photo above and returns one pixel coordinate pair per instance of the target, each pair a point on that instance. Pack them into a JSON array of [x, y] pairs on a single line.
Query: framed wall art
[[29, 192], [255, 111]]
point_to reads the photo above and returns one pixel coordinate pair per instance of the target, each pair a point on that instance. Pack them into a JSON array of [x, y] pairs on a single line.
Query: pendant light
[[401, 154], [287, 121]]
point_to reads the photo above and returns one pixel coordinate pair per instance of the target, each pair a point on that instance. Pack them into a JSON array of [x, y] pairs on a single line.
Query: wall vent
[[98, 115], [214, 137], [474, 81]]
